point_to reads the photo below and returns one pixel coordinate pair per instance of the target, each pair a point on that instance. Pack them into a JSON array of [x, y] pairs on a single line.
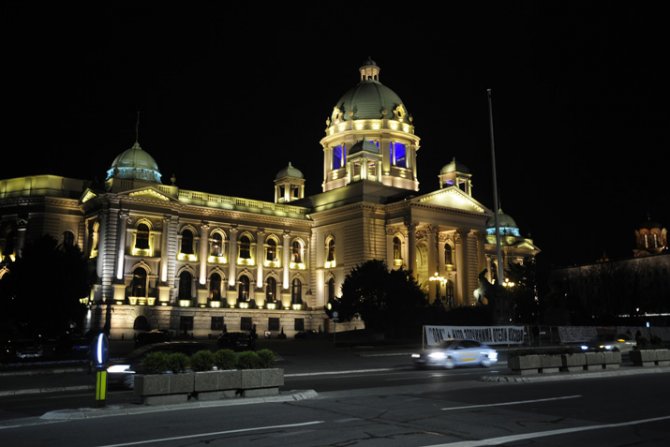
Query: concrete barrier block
[[573, 362], [643, 357], [550, 363]]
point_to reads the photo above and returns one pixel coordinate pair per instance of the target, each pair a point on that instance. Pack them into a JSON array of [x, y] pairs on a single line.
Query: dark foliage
[[388, 301], [42, 289]]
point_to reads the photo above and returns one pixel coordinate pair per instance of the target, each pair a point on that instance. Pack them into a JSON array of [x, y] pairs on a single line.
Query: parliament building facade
[[196, 262]]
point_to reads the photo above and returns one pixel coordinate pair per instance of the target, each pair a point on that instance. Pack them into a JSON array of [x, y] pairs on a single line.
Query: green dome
[[370, 99], [289, 171], [506, 224], [504, 220], [454, 166], [135, 164]]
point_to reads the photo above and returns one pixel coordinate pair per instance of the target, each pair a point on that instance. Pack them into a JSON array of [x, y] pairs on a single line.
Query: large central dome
[[370, 99], [135, 163]]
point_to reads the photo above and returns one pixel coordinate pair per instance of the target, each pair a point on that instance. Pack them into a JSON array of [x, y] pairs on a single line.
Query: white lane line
[[518, 402], [352, 371], [215, 433], [543, 434]]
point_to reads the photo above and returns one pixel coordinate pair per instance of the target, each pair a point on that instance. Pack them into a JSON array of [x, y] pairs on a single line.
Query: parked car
[[122, 371], [237, 341], [617, 343], [152, 336], [452, 353], [27, 349]]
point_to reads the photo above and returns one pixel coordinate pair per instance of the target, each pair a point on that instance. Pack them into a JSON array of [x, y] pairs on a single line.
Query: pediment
[[453, 198], [87, 195], [147, 193]]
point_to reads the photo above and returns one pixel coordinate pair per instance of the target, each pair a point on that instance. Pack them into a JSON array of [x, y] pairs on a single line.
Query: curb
[[572, 376], [58, 389], [125, 410]]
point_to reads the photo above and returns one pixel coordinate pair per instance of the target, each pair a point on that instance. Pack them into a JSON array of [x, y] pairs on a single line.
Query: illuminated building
[[192, 261]]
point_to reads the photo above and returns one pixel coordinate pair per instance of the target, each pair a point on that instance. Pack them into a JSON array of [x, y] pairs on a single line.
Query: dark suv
[[237, 341]]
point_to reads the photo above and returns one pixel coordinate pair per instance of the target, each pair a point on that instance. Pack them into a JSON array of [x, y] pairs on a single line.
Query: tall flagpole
[[500, 272]]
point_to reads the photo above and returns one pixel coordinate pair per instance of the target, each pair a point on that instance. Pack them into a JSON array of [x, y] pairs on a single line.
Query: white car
[[620, 342], [452, 353]]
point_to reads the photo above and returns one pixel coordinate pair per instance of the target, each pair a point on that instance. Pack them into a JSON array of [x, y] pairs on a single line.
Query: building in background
[[634, 290], [195, 262]]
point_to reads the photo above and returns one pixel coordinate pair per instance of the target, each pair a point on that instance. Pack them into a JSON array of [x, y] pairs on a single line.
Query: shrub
[[248, 360], [202, 360], [267, 358], [225, 359], [178, 362], [155, 363]]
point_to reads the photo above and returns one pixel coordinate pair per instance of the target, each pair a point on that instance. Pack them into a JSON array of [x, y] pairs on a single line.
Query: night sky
[[580, 100]]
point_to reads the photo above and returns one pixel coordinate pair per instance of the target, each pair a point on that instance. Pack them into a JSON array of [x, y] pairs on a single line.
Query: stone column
[[232, 259], [202, 293], [21, 227], [204, 252], [123, 223], [260, 251], [461, 269], [259, 293], [433, 291], [411, 247], [286, 260]]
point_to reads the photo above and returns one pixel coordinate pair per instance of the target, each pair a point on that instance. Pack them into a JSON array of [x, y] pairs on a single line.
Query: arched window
[[245, 247], [185, 284], [330, 250], [296, 252], [68, 239], [215, 286], [243, 289], [331, 289], [187, 242], [448, 254], [139, 284], [271, 250], [296, 291], [217, 245], [397, 248], [142, 238], [271, 290]]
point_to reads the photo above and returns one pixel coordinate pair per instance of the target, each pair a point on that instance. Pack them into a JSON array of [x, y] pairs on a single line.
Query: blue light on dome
[[504, 231]]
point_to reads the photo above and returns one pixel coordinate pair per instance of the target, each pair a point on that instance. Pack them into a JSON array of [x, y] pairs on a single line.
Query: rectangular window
[[217, 323], [273, 324], [245, 324], [338, 156], [299, 324], [398, 154], [185, 324]]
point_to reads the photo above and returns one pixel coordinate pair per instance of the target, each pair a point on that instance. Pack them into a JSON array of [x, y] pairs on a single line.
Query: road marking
[[352, 371], [215, 433], [386, 354], [518, 402], [543, 434]]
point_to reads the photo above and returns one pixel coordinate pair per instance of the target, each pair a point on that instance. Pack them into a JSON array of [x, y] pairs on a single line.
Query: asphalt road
[[366, 396], [448, 410]]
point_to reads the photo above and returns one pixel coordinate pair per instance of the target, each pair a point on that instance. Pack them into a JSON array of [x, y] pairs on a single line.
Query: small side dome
[[135, 164], [289, 171], [506, 224], [454, 166], [364, 146]]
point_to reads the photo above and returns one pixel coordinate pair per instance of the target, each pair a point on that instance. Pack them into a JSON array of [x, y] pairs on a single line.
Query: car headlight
[[119, 369], [493, 356], [437, 355], [416, 356], [584, 347]]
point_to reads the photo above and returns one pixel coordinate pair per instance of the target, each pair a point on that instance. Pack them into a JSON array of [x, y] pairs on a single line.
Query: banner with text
[[491, 335]]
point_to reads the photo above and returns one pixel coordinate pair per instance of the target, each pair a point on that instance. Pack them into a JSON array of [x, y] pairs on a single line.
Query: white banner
[[491, 335]]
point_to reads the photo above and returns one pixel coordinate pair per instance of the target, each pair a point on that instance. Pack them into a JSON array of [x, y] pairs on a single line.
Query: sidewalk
[[129, 409]]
